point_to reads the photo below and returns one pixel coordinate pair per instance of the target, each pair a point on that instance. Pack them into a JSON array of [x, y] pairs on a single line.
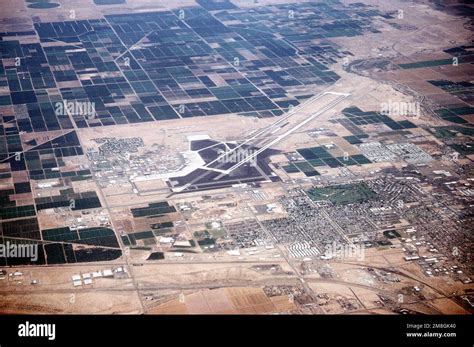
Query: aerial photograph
[[236, 157]]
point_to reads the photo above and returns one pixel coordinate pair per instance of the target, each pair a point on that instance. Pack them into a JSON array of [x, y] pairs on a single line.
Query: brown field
[[226, 301]]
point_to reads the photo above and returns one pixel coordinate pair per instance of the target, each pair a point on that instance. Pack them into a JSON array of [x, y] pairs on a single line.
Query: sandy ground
[[226, 301], [350, 289]]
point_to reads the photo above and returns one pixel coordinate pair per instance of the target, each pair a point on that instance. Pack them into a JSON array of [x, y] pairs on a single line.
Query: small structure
[[96, 274], [108, 273]]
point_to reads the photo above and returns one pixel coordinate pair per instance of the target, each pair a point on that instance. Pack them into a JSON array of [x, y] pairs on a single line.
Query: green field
[[427, 63], [449, 132], [343, 194], [463, 148]]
